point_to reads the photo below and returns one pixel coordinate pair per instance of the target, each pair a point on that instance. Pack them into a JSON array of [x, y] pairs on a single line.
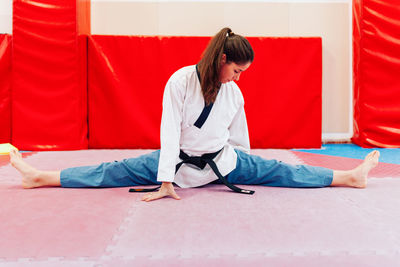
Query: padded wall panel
[[376, 39], [5, 88], [127, 75], [49, 109], [283, 93]]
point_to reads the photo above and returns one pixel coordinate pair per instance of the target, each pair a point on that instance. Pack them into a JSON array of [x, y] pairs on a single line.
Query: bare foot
[[29, 174], [360, 173]]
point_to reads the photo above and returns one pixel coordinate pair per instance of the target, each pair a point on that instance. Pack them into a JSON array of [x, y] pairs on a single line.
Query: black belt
[[201, 163]]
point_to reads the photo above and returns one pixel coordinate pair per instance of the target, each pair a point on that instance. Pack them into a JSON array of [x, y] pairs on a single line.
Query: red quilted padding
[[282, 90], [376, 42], [49, 96], [127, 75], [5, 88]]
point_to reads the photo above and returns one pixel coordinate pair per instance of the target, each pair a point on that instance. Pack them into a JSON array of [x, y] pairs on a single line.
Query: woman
[[204, 138]]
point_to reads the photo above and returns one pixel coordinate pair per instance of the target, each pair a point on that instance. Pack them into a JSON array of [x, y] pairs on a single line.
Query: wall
[[5, 16], [330, 20]]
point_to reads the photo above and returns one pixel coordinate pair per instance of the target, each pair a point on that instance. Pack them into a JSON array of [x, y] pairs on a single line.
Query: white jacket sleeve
[[239, 134], [170, 134]]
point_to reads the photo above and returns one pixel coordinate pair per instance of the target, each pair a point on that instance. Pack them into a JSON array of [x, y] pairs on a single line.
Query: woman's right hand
[[166, 189]]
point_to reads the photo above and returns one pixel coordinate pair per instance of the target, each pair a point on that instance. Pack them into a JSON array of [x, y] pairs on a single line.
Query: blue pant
[[250, 170]]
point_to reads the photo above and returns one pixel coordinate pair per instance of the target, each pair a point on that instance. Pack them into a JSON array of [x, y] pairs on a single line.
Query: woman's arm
[[170, 133], [239, 134]]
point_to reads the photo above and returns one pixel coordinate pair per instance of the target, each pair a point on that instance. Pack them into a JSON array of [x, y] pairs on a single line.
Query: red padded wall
[[49, 96], [5, 88], [283, 93], [376, 39], [127, 75]]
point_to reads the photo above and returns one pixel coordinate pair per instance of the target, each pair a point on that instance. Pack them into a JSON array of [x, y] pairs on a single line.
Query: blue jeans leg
[[128, 172], [254, 170]]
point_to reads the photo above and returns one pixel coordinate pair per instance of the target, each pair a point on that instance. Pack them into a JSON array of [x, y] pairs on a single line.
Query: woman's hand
[[166, 189]]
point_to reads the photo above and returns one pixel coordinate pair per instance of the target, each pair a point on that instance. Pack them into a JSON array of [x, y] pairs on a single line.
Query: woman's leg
[[251, 169], [128, 172]]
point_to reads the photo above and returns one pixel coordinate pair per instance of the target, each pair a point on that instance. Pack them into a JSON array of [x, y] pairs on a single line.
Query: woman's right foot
[[30, 175]]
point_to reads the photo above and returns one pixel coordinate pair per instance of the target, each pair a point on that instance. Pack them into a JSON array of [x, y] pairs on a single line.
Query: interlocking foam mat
[[209, 226]]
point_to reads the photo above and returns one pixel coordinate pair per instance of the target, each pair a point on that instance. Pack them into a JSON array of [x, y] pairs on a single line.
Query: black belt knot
[[198, 161]]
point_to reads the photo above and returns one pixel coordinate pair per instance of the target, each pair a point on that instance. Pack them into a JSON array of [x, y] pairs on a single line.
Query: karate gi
[[225, 128]]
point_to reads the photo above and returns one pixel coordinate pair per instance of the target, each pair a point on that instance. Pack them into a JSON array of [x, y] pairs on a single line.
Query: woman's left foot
[[360, 175]]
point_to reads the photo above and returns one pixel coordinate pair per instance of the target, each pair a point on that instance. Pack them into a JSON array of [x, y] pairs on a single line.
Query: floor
[[209, 226]]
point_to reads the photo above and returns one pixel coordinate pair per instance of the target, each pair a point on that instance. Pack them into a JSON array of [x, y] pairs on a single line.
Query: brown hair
[[236, 48]]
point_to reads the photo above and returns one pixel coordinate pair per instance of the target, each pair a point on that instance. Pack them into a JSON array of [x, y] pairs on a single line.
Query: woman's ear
[[223, 59]]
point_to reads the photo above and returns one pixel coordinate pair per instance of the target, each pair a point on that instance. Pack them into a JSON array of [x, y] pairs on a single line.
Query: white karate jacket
[[225, 127]]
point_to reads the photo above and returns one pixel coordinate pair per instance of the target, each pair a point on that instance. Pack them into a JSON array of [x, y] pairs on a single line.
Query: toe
[[375, 154]]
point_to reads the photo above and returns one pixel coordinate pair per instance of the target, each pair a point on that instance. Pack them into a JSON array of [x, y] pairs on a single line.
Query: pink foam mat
[[210, 226]]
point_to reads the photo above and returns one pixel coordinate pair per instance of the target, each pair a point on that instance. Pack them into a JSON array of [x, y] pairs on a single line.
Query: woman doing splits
[[204, 138]]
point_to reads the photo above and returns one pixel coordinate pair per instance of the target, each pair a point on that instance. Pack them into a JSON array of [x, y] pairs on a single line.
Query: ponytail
[[236, 48]]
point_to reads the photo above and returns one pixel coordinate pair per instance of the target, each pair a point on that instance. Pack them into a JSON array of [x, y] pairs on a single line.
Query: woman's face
[[231, 71]]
